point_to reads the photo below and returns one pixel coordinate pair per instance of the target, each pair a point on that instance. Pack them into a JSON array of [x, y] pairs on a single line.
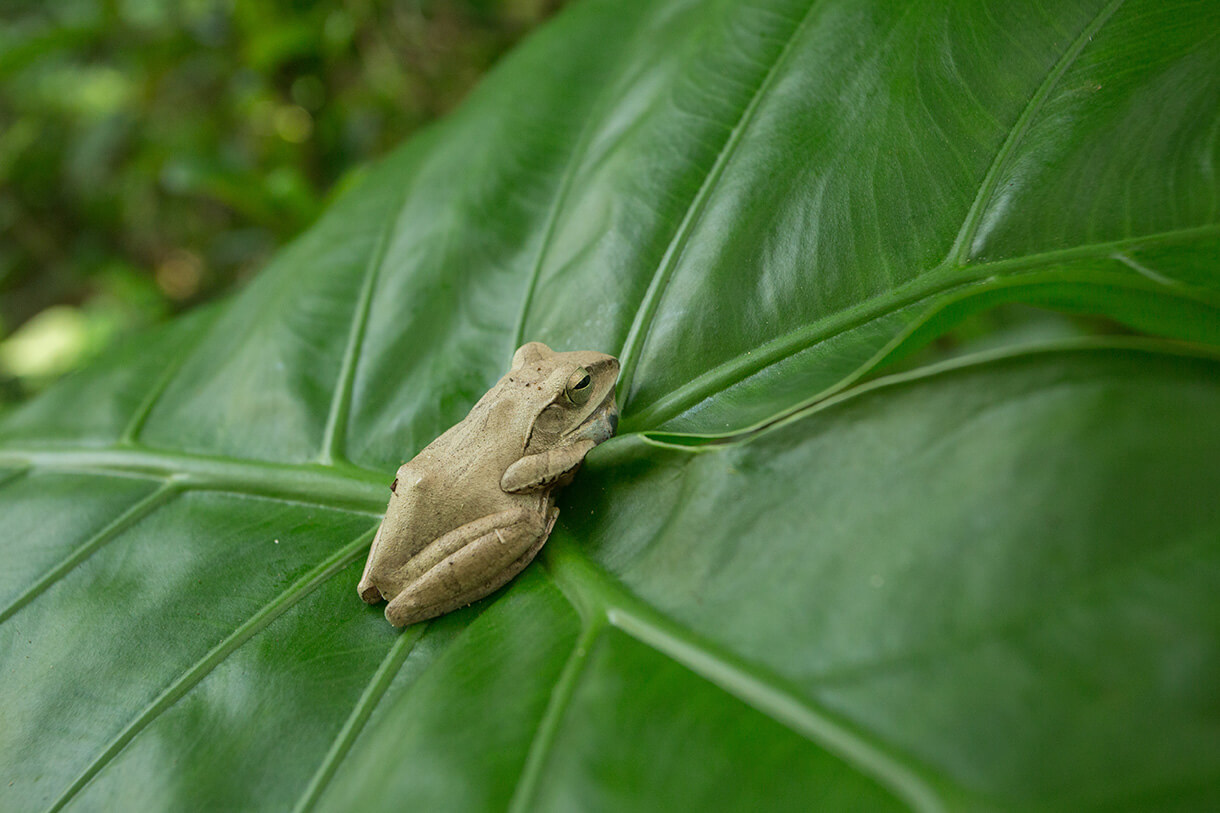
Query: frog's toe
[[369, 592], [404, 610]]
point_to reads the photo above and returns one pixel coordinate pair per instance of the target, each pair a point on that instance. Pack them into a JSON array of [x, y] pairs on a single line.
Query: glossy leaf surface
[[902, 597]]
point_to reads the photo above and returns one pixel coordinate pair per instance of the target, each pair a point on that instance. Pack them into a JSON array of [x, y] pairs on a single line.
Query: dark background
[[153, 154]]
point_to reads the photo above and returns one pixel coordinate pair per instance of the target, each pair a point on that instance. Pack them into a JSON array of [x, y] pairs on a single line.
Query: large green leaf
[[991, 584]]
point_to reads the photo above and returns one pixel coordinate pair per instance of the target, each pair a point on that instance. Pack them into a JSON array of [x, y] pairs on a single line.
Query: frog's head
[[577, 394]]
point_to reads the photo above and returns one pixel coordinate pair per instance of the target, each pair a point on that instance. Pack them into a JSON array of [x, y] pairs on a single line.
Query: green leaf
[[1005, 571], [990, 584]]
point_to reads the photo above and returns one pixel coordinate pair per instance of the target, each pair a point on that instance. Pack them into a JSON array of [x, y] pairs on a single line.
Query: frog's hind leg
[[477, 568]]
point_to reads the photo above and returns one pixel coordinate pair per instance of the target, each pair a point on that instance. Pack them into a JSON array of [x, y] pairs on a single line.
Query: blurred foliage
[[153, 153]]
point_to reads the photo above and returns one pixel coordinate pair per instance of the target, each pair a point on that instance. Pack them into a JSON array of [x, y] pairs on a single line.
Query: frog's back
[[492, 435], [456, 479]]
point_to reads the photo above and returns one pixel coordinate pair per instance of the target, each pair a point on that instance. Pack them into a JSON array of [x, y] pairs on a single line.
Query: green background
[[155, 153]]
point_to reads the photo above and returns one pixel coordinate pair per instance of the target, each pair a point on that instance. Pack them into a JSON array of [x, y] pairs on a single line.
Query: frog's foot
[[369, 592], [478, 558]]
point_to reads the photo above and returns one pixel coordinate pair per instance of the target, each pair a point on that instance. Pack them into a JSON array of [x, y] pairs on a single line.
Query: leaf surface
[[987, 584]]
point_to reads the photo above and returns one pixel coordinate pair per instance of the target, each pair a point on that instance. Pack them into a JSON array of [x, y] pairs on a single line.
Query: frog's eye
[[579, 386]]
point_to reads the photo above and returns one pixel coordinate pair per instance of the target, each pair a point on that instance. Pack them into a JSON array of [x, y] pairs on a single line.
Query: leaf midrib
[[339, 485], [927, 286], [954, 270], [606, 603]]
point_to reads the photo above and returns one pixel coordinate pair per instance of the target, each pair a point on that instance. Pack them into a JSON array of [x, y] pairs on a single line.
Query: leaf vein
[[750, 683], [334, 436], [783, 703], [138, 511], [646, 313], [936, 281], [214, 657], [548, 727], [404, 643], [958, 252], [566, 183], [131, 432], [339, 486]]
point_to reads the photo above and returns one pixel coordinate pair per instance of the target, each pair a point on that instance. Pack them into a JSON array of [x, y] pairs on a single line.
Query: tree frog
[[474, 507]]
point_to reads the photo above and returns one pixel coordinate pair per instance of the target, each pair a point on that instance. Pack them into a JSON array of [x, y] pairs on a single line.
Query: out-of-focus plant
[[153, 152]]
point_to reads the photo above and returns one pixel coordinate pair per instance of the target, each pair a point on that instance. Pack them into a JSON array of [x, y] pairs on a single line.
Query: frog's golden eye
[[579, 386]]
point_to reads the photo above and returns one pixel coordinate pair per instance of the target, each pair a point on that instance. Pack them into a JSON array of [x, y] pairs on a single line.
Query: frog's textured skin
[[475, 506]]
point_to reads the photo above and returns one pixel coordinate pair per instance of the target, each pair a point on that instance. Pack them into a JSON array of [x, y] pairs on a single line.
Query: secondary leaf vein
[[548, 727], [373, 692], [214, 657], [131, 516], [751, 684], [334, 437], [958, 253], [645, 314]]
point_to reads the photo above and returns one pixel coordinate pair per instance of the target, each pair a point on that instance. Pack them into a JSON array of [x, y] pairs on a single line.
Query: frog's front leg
[[545, 469], [469, 562]]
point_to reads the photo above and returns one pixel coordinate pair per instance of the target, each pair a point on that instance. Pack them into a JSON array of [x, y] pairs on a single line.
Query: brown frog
[[476, 505]]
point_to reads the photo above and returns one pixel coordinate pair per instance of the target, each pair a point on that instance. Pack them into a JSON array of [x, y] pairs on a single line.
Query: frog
[[474, 506]]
